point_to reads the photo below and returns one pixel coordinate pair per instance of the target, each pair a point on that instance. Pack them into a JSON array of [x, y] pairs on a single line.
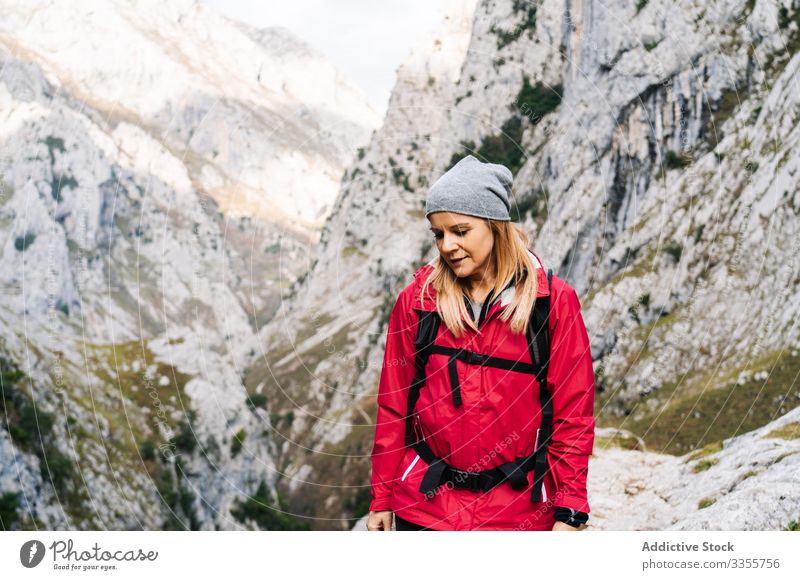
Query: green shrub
[[698, 233], [237, 442], [783, 18], [536, 101], [34, 425], [148, 450], [674, 249], [9, 506], [533, 204], [63, 307], [184, 439], [358, 503], [674, 160], [54, 144], [526, 10], [467, 147], [59, 182], [21, 243], [257, 400], [266, 513], [9, 375], [57, 468], [504, 148]]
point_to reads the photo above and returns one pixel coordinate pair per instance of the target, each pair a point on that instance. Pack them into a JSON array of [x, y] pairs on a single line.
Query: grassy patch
[[150, 421], [705, 409], [619, 440], [705, 502], [348, 251], [788, 431], [706, 450], [705, 464], [123, 370], [340, 469]]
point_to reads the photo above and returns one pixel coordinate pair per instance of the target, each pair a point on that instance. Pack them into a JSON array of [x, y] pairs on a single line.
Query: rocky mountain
[[164, 173], [654, 147]]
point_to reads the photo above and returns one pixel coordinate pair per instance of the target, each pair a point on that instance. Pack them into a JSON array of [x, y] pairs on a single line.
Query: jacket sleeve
[[571, 378], [396, 376]]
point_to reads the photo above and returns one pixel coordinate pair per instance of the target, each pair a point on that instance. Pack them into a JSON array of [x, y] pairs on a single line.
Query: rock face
[[655, 160], [145, 218], [747, 482]]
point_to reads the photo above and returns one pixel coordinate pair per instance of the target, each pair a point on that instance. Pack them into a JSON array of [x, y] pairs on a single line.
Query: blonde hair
[[512, 262]]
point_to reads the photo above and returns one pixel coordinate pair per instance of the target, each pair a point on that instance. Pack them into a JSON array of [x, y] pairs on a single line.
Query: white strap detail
[[409, 468]]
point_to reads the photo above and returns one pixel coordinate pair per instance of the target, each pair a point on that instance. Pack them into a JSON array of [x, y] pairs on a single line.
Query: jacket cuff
[[380, 505], [578, 504]]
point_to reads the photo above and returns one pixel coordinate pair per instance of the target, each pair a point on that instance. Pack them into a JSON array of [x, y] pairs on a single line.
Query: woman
[[468, 441]]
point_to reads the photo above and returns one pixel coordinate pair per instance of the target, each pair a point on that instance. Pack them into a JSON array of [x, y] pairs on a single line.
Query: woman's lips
[[457, 262]]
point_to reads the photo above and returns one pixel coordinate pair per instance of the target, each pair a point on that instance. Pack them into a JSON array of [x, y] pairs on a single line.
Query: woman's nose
[[449, 244]]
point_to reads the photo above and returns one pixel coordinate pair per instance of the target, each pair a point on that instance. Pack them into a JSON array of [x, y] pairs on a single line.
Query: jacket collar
[[428, 302]]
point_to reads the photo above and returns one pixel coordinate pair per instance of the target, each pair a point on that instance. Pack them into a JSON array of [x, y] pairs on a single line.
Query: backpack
[[439, 472]]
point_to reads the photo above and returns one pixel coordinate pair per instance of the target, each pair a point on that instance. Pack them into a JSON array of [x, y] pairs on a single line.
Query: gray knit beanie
[[472, 187]]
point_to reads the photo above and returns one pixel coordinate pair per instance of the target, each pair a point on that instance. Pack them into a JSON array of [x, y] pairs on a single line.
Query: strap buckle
[[465, 479], [475, 358]]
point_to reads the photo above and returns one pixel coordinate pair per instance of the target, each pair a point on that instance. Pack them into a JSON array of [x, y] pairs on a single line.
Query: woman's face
[[465, 243]]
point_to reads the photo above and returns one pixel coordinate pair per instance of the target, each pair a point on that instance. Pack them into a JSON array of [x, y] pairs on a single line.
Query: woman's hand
[[562, 527], [379, 521]]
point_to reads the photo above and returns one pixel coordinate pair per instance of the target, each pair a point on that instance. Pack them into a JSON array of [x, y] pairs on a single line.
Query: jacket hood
[[428, 302]]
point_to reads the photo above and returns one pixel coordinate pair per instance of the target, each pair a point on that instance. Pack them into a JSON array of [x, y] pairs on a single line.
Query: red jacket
[[496, 423]]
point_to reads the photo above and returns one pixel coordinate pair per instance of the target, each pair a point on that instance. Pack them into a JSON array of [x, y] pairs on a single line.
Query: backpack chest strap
[[475, 358]]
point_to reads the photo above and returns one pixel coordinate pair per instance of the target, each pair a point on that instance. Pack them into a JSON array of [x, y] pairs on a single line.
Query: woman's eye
[[460, 233]]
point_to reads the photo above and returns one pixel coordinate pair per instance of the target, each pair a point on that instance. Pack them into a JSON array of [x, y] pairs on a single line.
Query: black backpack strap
[[539, 346], [427, 328]]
